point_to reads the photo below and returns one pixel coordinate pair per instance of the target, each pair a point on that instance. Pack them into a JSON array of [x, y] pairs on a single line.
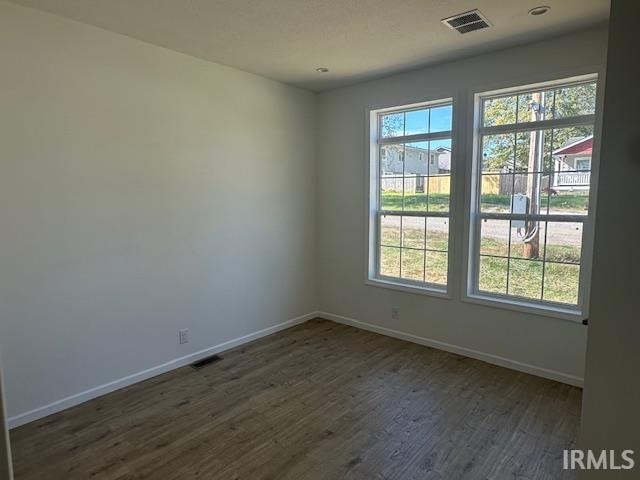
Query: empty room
[[305, 239]]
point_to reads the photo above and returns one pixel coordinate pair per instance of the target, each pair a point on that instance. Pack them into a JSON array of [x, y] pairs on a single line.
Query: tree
[[512, 150]]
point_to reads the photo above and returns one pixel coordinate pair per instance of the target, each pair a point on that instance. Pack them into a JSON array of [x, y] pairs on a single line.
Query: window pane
[[439, 193], [561, 283], [416, 159], [413, 264], [391, 160], [571, 141], [438, 234], [495, 193], [529, 196], [498, 153], [497, 179], [529, 106], [529, 151], [527, 240], [440, 162], [493, 275], [441, 119], [575, 100], [569, 202], [436, 268], [564, 242], [494, 237], [390, 262], [415, 193], [499, 111], [525, 108], [525, 278], [413, 234], [391, 193], [392, 125], [416, 121], [390, 230]]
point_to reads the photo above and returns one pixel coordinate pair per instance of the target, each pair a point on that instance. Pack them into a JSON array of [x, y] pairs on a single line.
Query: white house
[[415, 161], [414, 164]]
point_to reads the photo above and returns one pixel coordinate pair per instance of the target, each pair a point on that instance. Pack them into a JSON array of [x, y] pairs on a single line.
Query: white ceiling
[[356, 39]]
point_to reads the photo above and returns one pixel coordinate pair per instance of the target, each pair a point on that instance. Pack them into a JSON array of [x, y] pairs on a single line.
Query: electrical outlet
[[395, 313], [184, 335]]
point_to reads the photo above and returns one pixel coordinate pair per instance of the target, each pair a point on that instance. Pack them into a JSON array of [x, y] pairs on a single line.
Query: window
[[583, 164], [530, 203], [410, 198]]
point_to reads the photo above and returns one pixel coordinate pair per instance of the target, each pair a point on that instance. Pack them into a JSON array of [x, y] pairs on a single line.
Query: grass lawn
[[525, 276], [439, 202]]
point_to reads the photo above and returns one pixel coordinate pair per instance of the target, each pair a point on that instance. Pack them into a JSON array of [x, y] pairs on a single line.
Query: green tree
[[512, 150]]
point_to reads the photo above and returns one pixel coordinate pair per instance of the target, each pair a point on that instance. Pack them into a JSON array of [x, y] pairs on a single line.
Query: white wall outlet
[[184, 335], [395, 313]]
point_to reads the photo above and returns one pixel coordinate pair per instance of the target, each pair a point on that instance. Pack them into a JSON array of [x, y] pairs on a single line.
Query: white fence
[[571, 179]]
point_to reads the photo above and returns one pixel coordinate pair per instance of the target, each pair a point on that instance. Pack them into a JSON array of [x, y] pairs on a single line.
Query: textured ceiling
[[356, 39]]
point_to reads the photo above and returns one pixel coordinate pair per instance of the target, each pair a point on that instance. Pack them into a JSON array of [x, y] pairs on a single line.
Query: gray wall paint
[[611, 419], [543, 342], [141, 191]]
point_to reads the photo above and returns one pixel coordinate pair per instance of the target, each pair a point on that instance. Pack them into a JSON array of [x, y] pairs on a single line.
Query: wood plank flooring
[[317, 401]]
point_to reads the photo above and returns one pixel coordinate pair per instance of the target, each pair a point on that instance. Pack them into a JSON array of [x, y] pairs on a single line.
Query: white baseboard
[[100, 390], [467, 352]]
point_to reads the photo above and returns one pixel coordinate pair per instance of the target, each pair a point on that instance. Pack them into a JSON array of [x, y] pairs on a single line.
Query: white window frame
[[372, 276], [470, 290]]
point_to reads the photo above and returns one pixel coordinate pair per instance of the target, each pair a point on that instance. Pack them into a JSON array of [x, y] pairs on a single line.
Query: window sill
[[433, 291], [553, 311]]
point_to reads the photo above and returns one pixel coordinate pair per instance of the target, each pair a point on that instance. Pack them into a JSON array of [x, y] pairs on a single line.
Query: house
[[406, 168], [413, 160], [572, 164]]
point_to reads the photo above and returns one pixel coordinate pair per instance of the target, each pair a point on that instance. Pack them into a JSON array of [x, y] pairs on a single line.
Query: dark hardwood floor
[[317, 401]]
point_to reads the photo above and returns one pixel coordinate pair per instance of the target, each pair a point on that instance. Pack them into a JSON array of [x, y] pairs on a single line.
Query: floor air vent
[[467, 22], [205, 361]]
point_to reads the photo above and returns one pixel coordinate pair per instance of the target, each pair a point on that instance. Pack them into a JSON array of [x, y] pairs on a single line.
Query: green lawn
[[554, 252], [439, 202], [561, 281], [525, 276]]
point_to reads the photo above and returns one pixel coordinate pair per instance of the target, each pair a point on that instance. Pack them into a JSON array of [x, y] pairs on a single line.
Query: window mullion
[[413, 213], [420, 137], [577, 121], [533, 217]]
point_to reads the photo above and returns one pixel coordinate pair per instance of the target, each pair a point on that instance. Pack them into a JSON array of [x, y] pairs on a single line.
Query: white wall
[[611, 415], [141, 191], [541, 342]]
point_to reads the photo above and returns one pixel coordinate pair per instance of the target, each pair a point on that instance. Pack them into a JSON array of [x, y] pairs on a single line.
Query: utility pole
[[536, 149]]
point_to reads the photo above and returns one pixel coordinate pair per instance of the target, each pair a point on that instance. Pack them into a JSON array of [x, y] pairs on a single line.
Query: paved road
[[559, 233]]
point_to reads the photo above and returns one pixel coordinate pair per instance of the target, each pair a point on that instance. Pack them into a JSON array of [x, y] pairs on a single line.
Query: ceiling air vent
[[467, 22]]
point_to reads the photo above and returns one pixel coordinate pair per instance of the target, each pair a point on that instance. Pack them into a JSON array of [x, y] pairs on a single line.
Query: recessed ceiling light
[[541, 10], [322, 69]]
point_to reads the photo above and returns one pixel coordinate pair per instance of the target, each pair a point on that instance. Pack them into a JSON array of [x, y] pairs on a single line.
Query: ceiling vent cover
[[467, 22]]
